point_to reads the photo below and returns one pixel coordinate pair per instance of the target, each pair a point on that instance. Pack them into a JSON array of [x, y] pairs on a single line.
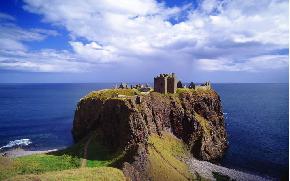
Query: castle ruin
[[165, 83]]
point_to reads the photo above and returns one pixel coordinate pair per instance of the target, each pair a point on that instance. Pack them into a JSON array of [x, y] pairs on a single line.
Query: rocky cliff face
[[195, 117]]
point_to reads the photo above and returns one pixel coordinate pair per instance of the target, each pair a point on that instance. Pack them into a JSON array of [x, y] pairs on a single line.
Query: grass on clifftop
[[198, 91], [165, 156], [83, 174], [112, 93]]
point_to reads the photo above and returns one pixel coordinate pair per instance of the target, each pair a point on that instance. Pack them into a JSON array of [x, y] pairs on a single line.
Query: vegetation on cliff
[[166, 156], [111, 93]]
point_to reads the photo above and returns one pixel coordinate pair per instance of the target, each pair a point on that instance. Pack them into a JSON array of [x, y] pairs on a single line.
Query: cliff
[[124, 119]]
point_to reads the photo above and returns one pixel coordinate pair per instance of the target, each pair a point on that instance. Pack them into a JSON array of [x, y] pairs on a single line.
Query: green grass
[[69, 158], [111, 93], [197, 91], [38, 163], [99, 155], [203, 123], [185, 90], [165, 155], [100, 174]]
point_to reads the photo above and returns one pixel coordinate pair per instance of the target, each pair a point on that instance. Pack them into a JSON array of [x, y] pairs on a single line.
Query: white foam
[[21, 142]]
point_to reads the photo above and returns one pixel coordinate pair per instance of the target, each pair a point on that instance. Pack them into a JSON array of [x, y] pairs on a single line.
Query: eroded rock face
[[196, 118]]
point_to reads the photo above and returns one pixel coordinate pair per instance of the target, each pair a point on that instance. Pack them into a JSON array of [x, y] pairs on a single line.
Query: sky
[[224, 41]]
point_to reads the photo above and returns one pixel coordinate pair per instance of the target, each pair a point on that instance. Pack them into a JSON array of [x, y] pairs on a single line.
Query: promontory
[[151, 134]]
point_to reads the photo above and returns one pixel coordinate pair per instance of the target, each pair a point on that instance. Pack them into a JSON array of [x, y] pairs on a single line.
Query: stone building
[[165, 83]]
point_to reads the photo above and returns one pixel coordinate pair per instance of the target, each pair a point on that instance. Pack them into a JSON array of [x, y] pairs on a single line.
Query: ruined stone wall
[[171, 84], [160, 84]]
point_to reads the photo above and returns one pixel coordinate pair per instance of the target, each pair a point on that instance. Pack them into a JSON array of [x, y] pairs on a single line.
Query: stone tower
[[165, 83], [171, 83], [160, 84]]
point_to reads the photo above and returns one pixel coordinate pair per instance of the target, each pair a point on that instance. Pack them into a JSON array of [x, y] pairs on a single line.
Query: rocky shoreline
[[19, 152], [207, 170]]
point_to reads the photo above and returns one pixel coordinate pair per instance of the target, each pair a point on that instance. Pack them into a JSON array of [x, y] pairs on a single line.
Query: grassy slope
[[38, 163], [102, 173], [70, 158], [165, 155]]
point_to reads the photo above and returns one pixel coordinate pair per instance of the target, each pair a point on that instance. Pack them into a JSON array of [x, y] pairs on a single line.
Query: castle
[[165, 83], [168, 83]]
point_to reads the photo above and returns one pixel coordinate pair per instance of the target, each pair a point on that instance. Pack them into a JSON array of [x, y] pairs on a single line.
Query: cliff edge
[[125, 119]]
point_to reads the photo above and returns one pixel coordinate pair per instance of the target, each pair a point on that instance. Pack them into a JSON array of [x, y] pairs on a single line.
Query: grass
[[203, 123], [69, 158], [7, 168], [198, 91], [38, 163], [165, 155], [111, 93], [99, 155], [185, 90], [101, 174]]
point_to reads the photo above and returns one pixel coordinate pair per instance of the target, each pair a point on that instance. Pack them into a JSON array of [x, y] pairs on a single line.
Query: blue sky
[[104, 41]]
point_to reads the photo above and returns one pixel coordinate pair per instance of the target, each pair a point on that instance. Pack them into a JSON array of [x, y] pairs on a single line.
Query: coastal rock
[[195, 117]]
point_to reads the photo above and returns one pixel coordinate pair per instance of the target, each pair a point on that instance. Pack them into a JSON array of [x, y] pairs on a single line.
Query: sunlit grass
[[165, 158], [83, 174], [111, 93]]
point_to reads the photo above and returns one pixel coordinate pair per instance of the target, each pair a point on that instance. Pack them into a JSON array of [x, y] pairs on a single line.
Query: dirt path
[[84, 160]]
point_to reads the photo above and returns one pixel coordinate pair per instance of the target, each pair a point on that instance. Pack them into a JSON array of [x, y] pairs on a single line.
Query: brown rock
[[194, 117]]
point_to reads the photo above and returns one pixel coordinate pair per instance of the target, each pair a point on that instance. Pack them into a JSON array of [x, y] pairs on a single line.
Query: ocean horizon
[[39, 116]]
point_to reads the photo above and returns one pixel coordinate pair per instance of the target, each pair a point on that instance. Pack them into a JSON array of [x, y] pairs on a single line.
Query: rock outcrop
[[196, 118], [120, 122]]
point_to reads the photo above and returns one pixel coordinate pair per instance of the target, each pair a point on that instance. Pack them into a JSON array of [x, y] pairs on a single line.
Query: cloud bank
[[212, 36]]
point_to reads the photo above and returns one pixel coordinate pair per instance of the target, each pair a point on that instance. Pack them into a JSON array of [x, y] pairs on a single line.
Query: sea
[[40, 116]]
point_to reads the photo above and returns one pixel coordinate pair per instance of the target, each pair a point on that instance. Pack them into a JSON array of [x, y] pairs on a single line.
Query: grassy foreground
[[45, 165], [166, 156], [102, 173], [38, 163]]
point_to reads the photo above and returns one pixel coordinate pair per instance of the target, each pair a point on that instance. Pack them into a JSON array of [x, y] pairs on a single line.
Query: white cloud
[[41, 61], [93, 52], [259, 63], [217, 35]]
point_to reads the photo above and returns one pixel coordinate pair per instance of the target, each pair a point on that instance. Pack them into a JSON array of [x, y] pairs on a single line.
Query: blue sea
[[39, 117]]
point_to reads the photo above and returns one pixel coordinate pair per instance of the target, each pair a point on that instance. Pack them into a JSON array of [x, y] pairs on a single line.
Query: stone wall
[[165, 83], [171, 84], [160, 84]]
